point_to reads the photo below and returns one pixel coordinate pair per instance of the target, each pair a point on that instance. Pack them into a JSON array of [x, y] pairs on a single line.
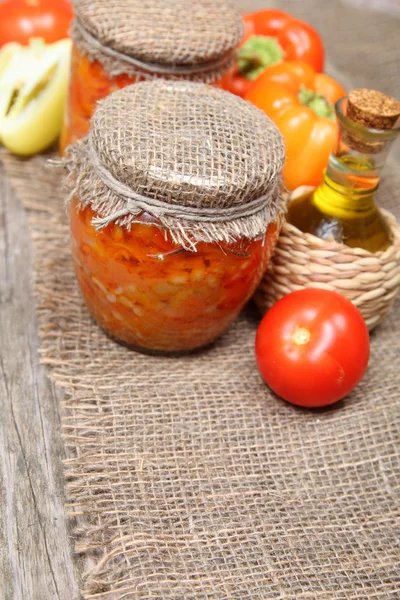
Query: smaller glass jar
[[175, 212], [89, 83], [115, 45]]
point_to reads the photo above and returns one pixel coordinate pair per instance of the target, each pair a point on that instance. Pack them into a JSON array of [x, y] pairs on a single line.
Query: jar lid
[[205, 163], [175, 38]]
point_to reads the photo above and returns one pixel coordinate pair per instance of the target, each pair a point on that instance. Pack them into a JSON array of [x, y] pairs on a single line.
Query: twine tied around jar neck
[[99, 51], [187, 225], [136, 203], [205, 164]]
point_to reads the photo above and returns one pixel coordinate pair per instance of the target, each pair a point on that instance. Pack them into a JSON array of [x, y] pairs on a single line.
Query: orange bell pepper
[[300, 102]]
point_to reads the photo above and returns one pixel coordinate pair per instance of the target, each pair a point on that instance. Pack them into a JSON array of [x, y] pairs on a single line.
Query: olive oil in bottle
[[343, 207]]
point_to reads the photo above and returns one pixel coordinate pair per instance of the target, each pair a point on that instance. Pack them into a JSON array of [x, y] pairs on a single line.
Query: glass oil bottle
[[343, 207]]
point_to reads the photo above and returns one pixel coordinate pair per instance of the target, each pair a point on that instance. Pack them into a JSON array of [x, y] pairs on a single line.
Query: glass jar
[[154, 295], [114, 49], [89, 83], [175, 212]]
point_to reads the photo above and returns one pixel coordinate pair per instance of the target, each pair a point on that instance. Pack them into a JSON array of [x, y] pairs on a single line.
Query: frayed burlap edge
[[85, 181], [116, 63]]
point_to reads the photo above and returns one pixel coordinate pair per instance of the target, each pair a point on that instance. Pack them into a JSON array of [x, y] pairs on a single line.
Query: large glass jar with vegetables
[[175, 211], [117, 43]]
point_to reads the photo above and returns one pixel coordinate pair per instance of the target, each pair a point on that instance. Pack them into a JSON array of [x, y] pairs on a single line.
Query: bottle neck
[[356, 172], [354, 169]]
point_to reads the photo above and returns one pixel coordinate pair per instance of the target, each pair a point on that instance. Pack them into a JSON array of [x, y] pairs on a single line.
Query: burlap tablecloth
[[186, 478]]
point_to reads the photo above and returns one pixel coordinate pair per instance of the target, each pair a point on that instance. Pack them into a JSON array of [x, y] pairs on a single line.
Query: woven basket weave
[[301, 260]]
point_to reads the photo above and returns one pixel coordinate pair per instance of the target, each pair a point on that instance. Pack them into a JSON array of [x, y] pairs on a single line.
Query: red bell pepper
[[272, 36]]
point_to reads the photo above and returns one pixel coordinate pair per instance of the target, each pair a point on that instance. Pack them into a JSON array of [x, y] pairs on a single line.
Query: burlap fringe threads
[[129, 163]]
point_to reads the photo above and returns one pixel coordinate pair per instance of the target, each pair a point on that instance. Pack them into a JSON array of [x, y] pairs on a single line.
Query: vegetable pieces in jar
[[175, 212], [144, 289]]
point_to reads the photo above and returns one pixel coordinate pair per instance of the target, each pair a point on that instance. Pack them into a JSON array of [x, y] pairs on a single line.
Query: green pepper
[[33, 88]]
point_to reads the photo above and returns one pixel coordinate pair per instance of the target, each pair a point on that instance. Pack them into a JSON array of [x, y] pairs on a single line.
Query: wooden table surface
[[35, 551], [36, 559]]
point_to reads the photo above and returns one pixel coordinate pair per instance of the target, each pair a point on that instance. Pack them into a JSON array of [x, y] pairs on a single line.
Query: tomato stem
[[301, 336]]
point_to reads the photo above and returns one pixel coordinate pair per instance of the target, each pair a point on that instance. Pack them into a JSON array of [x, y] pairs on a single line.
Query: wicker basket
[[301, 260]]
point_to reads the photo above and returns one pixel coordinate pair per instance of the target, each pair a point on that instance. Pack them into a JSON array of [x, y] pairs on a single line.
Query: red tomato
[[312, 347], [21, 20]]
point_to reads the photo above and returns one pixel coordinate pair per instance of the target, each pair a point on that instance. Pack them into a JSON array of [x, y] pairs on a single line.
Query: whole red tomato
[[21, 20], [312, 347]]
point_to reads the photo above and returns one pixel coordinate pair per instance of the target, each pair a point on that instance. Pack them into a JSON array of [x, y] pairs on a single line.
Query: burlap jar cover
[[205, 163], [146, 39]]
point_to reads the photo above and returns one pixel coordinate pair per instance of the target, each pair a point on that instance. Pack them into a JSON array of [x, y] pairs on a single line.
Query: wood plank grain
[[35, 551]]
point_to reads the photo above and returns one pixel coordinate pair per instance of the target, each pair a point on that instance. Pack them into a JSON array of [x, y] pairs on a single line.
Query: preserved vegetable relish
[[152, 294]]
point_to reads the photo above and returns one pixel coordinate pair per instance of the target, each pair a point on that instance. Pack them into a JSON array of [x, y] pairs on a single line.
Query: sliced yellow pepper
[[33, 88]]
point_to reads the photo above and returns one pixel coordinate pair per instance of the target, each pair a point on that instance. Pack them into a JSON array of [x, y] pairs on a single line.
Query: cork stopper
[[372, 109], [370, 116]]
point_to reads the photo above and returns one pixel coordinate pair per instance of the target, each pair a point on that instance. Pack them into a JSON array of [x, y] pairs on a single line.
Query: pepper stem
[[258, 53], [317, 102]]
